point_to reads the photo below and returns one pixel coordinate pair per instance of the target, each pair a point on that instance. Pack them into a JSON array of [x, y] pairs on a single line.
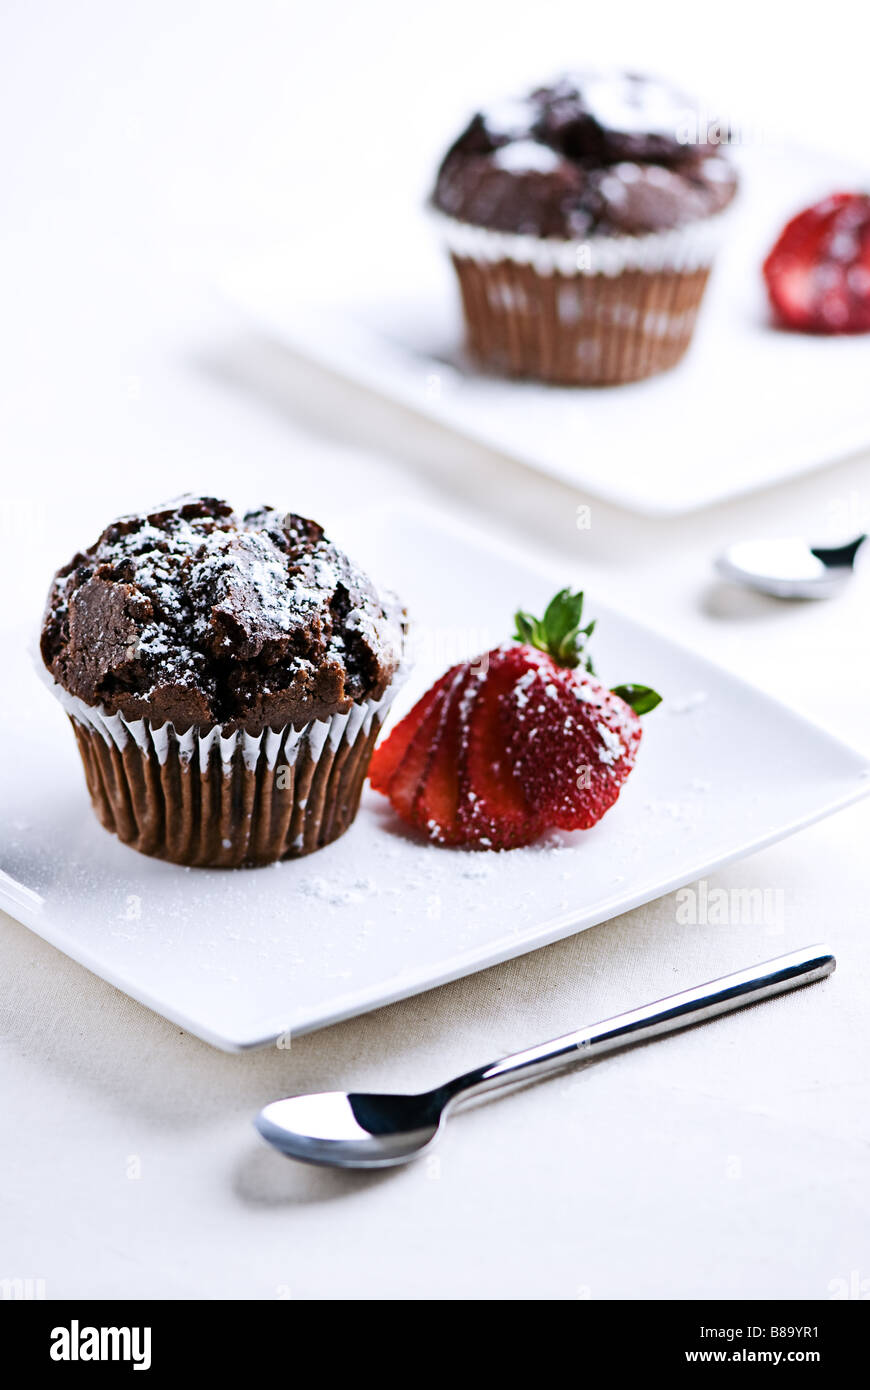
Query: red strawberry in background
[[818, 273], [522, 740]]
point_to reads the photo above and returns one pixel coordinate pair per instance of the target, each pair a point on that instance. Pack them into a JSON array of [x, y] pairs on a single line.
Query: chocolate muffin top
[[592, 153], [194, 614]]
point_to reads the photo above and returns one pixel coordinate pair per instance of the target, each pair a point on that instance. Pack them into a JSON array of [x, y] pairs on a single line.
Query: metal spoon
[[360, 1130], [790, 568]]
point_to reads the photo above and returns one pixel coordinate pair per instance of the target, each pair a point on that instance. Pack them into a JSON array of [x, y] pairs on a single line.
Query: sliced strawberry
[[523, 739], [570, 743], [391, 751], [435, 810], [493, 813], [818, 273]]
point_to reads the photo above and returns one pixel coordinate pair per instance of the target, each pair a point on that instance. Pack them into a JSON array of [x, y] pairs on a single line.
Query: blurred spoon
[[790, 568]]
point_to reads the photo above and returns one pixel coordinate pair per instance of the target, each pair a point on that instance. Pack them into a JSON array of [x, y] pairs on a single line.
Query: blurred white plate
[[748, 406], [238, 958]]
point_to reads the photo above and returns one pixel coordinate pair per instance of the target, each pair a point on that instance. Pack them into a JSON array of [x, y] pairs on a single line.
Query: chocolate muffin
[[226, 677], [582, 221]]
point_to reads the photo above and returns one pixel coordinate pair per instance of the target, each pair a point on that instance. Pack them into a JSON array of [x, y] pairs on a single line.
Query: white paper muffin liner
[[690, 247], [211, 799], [271, 746]]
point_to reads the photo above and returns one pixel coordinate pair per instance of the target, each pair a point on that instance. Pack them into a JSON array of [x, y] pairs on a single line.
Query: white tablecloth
[[141, 145]]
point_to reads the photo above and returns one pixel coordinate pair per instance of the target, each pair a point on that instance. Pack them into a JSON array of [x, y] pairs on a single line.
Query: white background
[[144, 146]]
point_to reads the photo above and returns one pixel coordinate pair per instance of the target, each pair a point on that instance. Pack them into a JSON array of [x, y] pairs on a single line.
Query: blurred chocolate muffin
[[226, 677], [582, 221]]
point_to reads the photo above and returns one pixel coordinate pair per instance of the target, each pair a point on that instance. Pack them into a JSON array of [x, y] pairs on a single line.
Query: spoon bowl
[[352, 1129], [790, 567]]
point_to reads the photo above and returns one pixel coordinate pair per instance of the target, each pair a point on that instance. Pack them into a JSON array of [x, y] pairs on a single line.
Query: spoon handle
[[668, 1015]]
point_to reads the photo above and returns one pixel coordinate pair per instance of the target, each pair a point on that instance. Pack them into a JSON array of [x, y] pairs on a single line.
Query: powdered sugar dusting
[[612, 748]]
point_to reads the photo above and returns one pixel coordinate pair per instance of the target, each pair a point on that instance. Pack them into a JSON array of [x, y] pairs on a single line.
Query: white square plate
[[238, 958], [748, 406]]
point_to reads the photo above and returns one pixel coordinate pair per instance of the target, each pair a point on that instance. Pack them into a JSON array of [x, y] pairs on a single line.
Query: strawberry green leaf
[[641, 698], [525, 628], [562, 616], [558, 633]]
